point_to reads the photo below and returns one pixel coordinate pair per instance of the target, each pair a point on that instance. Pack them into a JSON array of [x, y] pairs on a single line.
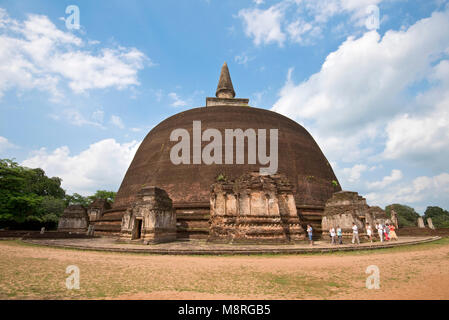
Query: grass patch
[[299, 285]]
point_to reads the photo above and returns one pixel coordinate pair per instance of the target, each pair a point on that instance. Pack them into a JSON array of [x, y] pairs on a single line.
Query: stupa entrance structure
[[220, 201]]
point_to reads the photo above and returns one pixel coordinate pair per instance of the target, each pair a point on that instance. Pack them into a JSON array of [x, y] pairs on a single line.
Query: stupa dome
[[300, 158]]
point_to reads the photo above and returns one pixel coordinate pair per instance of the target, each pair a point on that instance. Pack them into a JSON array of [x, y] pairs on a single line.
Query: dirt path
[[420, 272]]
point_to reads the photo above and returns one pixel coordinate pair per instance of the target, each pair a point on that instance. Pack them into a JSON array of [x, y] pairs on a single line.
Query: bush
[[221, 177]]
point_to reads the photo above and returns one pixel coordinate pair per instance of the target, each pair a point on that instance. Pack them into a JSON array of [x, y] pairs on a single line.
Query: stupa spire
[[225, 88], [225, 94]]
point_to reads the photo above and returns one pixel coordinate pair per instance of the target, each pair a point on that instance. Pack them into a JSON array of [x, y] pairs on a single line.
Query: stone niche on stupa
[[151, 218], [254, 208]]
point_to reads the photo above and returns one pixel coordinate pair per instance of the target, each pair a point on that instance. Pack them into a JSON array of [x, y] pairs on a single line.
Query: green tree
[[26, 194], [77, 199], [103, 194], [407, 216], [29, 199], [440, 217], [86, 201], [53, 206], [41, 185]]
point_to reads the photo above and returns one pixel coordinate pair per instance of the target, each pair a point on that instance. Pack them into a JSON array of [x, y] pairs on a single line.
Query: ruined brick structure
[[377, 215], [254, 208], [151, 218], [96, 209], [347, 207], [74, 219]]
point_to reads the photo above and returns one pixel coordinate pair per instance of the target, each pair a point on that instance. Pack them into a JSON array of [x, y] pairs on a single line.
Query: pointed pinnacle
[[225, 88]]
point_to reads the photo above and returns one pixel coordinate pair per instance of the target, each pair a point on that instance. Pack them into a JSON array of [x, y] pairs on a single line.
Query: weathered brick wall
[[254, 208]]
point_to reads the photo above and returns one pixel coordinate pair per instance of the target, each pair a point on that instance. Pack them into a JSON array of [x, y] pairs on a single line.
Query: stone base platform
[[202, 247]]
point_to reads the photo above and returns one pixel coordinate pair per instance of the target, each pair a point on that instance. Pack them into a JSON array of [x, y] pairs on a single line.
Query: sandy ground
[[31, 272]]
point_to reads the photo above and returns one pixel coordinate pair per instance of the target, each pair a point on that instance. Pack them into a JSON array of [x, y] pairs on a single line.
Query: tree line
[[30, 200], [407, 216]]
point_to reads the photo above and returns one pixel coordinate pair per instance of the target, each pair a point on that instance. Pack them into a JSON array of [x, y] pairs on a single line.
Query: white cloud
[[323, 10], [75, 117], [353, 174], [381, 102], [101, 166], [395, 175], [423, 137], [98, 116], [346, 146], [364, 77], [264, 25], [5, 144], [433, 190], [243, 58], [159, 95], [177, 101], [362, 86], [298, 29], [35, 54], [302, 20], [257, 98], [117, 121]]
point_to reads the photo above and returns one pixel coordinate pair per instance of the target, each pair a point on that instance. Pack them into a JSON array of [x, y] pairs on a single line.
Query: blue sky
[[78, 102]]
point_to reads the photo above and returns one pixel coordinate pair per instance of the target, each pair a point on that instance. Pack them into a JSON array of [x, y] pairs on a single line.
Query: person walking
[[310, 234], [369, 232], [380, 231], [355, 234], [339, 235], [386, 232], [393, 234], [333, 234]]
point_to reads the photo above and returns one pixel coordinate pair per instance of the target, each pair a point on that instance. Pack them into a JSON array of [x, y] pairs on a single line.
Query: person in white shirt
[[380, 231], [355, 234], [369, 232], [332, 234]]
